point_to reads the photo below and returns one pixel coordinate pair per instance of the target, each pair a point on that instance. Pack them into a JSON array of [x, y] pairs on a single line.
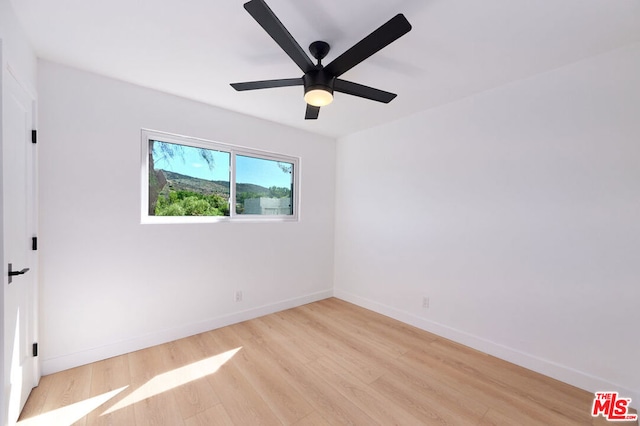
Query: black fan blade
[[267, 84], [362, 91], [395, 28], [272, 25], [312, 112]]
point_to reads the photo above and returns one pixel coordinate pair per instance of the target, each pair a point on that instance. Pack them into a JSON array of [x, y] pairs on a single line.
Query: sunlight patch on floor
[[71, 413], [174, 378]]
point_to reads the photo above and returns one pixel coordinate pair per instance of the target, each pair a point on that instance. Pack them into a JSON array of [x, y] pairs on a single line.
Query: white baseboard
[[557, 371], [53, 365]]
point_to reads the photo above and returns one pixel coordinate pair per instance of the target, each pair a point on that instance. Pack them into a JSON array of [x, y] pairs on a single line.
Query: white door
[[18, 168]]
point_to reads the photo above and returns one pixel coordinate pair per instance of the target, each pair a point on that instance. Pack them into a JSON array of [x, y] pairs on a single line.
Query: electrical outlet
[[238, 296], [425, 302]]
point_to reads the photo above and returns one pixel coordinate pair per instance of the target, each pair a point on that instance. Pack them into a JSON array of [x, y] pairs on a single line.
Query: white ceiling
[[195, 48]]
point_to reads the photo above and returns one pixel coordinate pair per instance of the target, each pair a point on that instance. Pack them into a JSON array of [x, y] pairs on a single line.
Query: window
[[263, 187], [193, 180]]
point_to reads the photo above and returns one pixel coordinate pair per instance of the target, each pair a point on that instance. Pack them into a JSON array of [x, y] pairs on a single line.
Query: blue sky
[[249, 170]]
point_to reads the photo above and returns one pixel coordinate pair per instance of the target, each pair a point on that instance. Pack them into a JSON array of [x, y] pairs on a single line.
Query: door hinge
[[35, 349], [34, 243], [34, 136]]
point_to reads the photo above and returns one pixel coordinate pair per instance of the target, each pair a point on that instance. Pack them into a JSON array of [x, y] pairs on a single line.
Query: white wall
[[18, 52], [517, 211], [111, 285], [16, 55]]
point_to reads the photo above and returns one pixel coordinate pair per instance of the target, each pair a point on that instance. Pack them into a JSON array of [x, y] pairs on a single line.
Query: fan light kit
[[318, 97], [319, 81]]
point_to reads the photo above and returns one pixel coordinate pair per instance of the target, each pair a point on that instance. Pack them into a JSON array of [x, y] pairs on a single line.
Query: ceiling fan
[[321, 81]]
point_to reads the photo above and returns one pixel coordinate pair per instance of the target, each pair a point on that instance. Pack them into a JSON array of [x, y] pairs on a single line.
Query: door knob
[[13, 273]]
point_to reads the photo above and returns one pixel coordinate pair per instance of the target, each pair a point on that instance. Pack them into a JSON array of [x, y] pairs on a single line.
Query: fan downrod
[[319, 50]]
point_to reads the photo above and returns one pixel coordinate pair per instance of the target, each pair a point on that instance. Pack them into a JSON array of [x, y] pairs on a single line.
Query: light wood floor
[[326, 363]]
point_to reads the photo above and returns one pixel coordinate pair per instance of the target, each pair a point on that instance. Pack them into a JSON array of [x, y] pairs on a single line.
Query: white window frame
[[233, 150]]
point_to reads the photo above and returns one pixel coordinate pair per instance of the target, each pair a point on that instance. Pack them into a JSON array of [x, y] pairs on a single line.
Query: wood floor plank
[[147, 363], [313, 419], [69, 387], [324, 363], [214, 416], [195, 395], [153, 404], [160, 409], [495, 418], [242, 402], [525, 385], [466, 377], [351, 330], [423, 407], [392, 330], [286, 403], [332, 345], [321, 395], [555, 395], [109, 375], [287, 334], [362, 395], [437, 388]]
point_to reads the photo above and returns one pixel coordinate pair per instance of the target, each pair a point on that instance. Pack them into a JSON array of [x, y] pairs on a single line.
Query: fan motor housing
[[318, 80]]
